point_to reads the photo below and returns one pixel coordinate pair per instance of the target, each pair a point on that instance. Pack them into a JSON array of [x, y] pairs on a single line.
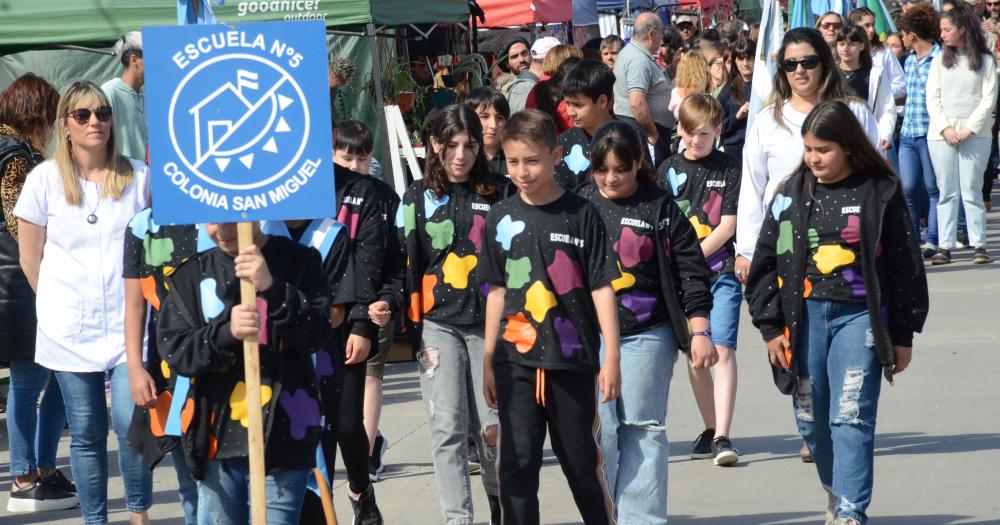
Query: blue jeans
[[837, 400], [224, 494], [633, 427], [917, 174], [187, 487], [34, 429], [87, 413], [724, 319]]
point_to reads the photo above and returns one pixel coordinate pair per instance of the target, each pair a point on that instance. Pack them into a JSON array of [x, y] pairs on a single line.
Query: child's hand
[[777, 348], [358, 347], [142, 386], [904, 354], [703, 353], [244, 321], [743, 111], [742, 268], [379, 313], [337, 314], [489, 385], [610, 380], [250, 265]]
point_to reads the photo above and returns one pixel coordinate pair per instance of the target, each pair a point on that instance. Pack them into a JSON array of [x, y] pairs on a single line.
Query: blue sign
[[239, 122]]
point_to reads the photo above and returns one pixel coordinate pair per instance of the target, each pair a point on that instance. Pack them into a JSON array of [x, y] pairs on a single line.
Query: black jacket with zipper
[[893, 270]]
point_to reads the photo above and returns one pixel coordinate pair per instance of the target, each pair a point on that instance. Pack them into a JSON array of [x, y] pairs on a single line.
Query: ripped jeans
[[451, 384], [633, 427], [224, 494], [839, 383]]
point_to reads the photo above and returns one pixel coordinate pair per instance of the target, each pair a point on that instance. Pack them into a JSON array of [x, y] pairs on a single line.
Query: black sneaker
[[928, 251], [375, 464], [979, 256], [723, 451], [57, 479], [365, 509], [702, 446], [39, 496], [942, 256], [494, 509]]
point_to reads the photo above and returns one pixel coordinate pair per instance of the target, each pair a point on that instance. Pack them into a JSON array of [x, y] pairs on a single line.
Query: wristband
[[706, 333]]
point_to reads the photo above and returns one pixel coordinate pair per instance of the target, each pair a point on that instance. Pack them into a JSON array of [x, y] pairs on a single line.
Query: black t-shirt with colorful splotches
[[574, 170], [549, 258], [833, 269], [443, 238], [152, 253], [631, 224], [705, 190]]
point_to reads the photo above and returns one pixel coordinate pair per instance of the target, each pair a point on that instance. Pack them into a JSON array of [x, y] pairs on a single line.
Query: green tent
[[31, 24]]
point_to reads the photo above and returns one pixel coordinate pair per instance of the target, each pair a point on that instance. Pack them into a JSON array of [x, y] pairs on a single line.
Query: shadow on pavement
[[917, 443], [798, 517]]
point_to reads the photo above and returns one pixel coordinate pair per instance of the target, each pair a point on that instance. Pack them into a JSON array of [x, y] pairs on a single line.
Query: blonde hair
[[699, 110], [692, 74], [557, 55], [119, 169]]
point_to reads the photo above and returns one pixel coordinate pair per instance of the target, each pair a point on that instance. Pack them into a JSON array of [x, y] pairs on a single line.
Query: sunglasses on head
[[832, 25], [82, 115], [807, 62]]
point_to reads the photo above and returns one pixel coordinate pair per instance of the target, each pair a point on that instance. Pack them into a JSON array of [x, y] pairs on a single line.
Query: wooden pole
[[255, 416], [326, 496]]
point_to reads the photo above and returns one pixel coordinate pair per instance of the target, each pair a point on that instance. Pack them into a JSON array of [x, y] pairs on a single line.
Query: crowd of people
[[593, 215]]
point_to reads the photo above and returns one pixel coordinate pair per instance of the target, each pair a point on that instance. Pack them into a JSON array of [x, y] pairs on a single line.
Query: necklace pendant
[[92, 219]]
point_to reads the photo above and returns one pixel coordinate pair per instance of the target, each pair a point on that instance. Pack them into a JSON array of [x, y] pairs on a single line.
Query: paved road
[[937, 452]]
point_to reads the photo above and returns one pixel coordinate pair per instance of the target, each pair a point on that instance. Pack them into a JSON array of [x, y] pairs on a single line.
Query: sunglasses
[[82, 115], [807, 62], [837, 26]]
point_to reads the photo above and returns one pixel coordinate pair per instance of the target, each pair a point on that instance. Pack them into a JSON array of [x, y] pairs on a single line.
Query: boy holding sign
[[202, 326]]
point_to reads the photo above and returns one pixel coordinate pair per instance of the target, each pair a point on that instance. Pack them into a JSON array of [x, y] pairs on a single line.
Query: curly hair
[[29, 106], [692, 73], [921, 20], [557, 55]]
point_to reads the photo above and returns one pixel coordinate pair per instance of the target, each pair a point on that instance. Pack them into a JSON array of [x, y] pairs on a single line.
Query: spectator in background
[[731, 30], [125, 97], [829, 25], [692, 77], [735, 98], [642, 90], [27, 114], [669, 53], [754, 32], [866, 81], [961, 95], [611, 46], [72, 216], [547, 94], [919, 28], [517, 64], [718, 72], [882, 56], [687, 27], [519, 90], [710, 45], [493, 112]]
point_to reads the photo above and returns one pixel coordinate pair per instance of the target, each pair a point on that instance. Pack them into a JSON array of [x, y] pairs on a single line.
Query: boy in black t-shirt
[[588, 90], [706, 186], [549, 269]]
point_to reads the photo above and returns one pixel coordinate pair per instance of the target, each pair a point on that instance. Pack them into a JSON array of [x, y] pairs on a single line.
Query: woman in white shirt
[[961, 94], [73, 212], [882, 57], [806, 76]]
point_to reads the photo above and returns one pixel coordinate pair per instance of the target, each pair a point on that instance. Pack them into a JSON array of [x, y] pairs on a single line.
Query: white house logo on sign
[[241, 134]]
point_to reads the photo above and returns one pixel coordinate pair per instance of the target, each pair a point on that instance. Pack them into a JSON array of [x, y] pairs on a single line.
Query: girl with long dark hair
[[865, 81], [837, 289], [661, 290], [735, 97], [441, 223], [961, 96]]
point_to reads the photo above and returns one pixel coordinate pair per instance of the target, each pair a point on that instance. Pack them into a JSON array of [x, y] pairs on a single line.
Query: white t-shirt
[[81, 293], [771, 153]]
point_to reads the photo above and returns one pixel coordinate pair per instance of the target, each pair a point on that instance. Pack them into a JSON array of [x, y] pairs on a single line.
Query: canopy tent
[[506, 13], [584, 12], [30, 24]]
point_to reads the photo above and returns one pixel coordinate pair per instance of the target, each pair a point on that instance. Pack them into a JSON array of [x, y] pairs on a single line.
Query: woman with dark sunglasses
[[72, 216], [829, 25]]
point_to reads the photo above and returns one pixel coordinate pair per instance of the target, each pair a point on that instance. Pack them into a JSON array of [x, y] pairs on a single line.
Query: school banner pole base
[[255, 416], [326, 496]]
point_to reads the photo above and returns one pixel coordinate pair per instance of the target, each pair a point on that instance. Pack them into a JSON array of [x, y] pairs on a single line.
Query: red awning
[[503, 13]]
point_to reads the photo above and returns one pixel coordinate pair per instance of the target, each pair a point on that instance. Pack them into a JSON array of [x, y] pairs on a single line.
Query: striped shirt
[[916, 120]]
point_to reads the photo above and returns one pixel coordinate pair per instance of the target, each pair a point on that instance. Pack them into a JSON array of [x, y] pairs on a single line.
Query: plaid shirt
[[916, 120]]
